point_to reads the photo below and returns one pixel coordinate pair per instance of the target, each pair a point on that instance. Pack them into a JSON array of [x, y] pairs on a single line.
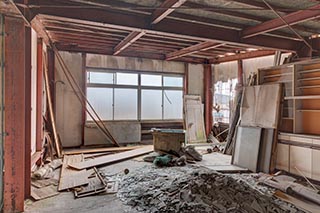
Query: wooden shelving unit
[[283, 75], [299, 129]]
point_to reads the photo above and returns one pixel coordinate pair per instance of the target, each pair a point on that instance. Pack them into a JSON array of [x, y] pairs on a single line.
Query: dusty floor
[[65, 202]]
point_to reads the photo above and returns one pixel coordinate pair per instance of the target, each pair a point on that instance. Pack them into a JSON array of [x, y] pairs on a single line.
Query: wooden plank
[[45, 192], [96, 150], [266, 150], [247, 147], [194, 119], [70, 178], [305, 205], [111, 158], [260, 106]]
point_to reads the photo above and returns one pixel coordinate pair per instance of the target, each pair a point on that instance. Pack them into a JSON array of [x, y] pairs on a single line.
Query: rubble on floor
[[194, 189]]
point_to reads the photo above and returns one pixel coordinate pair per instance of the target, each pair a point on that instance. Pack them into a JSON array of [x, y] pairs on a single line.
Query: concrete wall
[[229, 70], [68, 108], [195, 83]]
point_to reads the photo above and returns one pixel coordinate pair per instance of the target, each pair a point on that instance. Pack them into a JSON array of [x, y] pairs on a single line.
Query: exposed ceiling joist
[[167, 7], [252, 54], [192, 49], [291, 19], [168, 27], [127, 41]]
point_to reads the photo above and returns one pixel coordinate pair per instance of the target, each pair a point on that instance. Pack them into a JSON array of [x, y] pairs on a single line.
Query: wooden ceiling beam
[[192, 49], [275, 24], [167, 7], [240, 56], [127, 41]]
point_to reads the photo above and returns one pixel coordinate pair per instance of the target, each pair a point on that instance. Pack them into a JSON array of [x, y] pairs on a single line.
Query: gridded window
[[173, 103], [125, 104], [101, 99], [151, 104], [134, 96]]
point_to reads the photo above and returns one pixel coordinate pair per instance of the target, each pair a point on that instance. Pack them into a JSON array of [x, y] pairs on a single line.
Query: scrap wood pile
[[193, 189], [77, 172]]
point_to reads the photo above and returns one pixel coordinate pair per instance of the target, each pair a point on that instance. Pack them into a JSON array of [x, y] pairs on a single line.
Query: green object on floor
[[162, 160]]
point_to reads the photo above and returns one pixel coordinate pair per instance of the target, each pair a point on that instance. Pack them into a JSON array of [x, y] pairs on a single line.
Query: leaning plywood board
[[111, 158], [194, 121], [247, 146], [260, 106], [70, 178], [266, 150]]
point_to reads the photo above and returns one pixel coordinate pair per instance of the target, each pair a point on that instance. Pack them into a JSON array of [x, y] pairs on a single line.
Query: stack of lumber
[[79, 172]]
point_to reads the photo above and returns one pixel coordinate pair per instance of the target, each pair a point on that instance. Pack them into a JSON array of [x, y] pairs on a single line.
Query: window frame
[[139, 88]]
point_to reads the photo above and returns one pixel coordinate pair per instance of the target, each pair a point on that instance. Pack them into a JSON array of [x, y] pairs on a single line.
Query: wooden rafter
[[239, 56], [274, 24], [192, 49], [167, 7], [127, 41]]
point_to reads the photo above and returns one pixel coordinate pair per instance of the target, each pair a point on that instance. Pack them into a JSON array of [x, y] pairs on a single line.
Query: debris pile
[[193, 189]]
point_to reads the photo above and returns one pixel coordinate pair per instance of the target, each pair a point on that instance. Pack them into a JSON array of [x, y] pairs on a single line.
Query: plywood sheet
[[44, 192], [70, 178], [247, 147], [266, 150], [260, 106], [111, 158], [96, 150], [194, 120], [282, 162], [301, 158]]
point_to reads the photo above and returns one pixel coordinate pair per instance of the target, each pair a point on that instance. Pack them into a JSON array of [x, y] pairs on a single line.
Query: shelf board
[[309, 71], [302, 97], [309, 79], [277, 75], [308, 110], [286, 118], [309, 87]]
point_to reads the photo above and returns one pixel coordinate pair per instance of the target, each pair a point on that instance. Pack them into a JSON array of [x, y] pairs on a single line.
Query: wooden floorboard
[[111, 158]]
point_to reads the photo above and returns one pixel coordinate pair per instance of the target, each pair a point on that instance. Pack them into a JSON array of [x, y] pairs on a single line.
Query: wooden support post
[[208, 97], [83, 87], [186, 79], [240, 73], [39, 119], [27, 161], [51, 76], [14, 143]]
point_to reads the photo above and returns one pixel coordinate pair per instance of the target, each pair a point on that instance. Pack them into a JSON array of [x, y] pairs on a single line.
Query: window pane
[[127, 79], [151, 80], [151, 101], [101, 100], [125, 104], [173, 104], [100, 78], [173, 81]]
